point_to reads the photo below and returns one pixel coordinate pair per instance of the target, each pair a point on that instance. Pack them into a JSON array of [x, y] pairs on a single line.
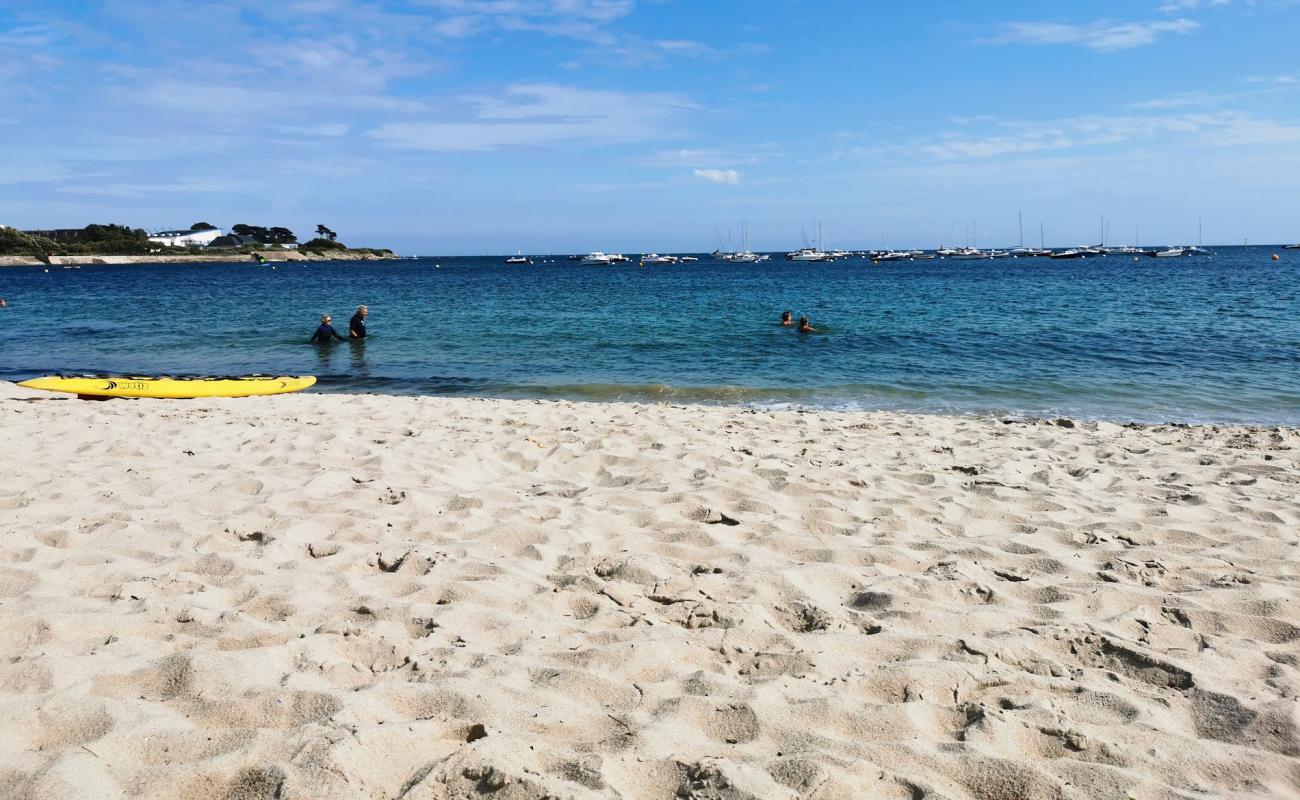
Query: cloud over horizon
[[727, 176], [1104, 36]]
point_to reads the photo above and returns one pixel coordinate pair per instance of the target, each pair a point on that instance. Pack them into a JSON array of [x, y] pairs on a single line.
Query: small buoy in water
[[1275, 258]]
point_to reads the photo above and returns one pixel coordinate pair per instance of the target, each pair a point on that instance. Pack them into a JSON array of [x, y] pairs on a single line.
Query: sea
[[1211, 338]]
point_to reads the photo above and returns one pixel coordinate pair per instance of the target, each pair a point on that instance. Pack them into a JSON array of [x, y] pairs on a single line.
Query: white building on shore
[[201, 238]]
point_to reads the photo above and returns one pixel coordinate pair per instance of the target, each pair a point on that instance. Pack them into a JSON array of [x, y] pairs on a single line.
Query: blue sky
[[488, 126]]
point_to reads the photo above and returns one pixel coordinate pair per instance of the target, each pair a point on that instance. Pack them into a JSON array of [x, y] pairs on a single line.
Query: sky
[[560, 126]]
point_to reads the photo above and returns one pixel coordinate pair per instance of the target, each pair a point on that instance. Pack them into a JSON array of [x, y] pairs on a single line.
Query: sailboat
[[745, 256], [1027, 252], [1197, 250], [519, 259]]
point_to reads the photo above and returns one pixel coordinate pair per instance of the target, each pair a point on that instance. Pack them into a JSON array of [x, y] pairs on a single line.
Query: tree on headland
[[277, 235], [323, 232], [203, 226]]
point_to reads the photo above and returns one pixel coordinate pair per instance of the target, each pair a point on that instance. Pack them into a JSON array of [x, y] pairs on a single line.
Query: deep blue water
[[1193, 339]]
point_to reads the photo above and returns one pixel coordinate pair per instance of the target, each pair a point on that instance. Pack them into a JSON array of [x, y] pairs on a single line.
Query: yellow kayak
[[180, 388]]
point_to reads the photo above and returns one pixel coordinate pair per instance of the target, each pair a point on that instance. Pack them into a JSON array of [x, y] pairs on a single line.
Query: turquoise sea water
[[1192, 339]]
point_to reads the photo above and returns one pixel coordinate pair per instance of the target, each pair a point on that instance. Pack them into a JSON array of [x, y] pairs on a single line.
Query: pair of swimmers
[[804, 326], [356, 327]]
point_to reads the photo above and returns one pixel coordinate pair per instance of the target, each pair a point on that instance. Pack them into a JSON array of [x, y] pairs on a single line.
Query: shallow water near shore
[[1201, 339]]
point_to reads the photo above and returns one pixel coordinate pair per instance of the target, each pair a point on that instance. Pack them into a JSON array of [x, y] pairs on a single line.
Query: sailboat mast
[[1042, 239], [1021, 216]]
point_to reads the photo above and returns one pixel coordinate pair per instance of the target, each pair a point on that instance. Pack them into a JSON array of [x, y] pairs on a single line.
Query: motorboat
[[890, 255], [596, 258], [655, 258], [968, 254], [1169, 252], [1291, 247], [1073, 252], [808, 254], [684, 259], [519, 259], [618, 258]]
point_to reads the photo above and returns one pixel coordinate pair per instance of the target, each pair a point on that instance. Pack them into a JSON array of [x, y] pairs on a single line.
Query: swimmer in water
[[357, 326], [326, 331], [805, 326], [787, 319]]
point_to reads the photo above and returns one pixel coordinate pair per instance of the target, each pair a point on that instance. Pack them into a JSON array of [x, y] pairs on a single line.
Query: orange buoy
[[1275, 257]]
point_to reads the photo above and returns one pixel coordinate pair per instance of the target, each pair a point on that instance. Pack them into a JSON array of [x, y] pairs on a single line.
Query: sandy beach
[[348, 596]]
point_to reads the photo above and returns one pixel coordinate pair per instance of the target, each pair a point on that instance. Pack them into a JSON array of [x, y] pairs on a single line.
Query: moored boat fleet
[[817, 254]]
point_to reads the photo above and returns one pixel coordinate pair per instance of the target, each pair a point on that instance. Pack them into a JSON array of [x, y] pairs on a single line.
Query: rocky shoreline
[[269, 255]]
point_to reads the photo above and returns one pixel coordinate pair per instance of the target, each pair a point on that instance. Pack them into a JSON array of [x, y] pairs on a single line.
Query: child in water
[[787, 319], [805, 326]]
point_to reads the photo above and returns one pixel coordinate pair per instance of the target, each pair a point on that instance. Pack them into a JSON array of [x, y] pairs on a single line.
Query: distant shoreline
[[203, 258]]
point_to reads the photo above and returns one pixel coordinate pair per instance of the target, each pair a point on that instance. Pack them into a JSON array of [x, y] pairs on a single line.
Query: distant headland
[[201, 242]]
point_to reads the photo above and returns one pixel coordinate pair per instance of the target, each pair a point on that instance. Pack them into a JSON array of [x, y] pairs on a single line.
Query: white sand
[[349, 596]]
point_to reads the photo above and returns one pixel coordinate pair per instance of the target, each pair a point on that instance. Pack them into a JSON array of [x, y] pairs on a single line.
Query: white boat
[[745, 256], [598, 258], [1169, 252], [1073, 252], [519, 259], [968, 254], [891, 255], [684, 259], [655, 258], [1291, 247], [618, 258], [808, 254]]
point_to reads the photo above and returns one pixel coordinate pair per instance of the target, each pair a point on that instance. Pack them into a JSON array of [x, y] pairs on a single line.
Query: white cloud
[[1224, 129], [1284, 80], [1104, 35], [578, 19], [1175, 6], [324, 129], [1181, 100], [727, 176], [541, 114]]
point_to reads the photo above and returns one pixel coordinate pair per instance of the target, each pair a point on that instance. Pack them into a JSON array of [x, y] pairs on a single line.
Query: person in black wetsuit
[[357, 326], [326, 331]]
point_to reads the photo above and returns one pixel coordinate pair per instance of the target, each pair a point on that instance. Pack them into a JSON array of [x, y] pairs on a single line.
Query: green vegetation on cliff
[[92, 239]]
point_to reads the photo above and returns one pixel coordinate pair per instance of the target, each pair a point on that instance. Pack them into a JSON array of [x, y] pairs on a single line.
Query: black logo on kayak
[[137, 385]]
